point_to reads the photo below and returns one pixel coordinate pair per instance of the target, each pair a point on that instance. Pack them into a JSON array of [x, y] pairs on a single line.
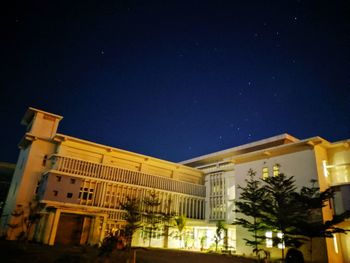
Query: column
[[104, 223], [54, 227], [47, 227]]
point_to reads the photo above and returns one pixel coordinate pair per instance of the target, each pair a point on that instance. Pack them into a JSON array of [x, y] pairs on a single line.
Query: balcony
[[82, 168]]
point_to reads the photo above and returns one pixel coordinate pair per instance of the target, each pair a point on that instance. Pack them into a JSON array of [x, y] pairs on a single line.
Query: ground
[[13, 252]]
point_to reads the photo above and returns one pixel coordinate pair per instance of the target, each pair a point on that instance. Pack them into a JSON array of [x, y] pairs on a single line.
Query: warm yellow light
[[268, 236], [335, 243], [280, 245], [325, 171]]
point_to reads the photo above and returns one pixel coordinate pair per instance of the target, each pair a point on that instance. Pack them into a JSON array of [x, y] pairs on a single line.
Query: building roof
[[274, 141], [29, 114]]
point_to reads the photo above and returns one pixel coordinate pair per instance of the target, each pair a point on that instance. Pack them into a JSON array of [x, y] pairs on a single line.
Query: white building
[[78, 186], [313, 158]]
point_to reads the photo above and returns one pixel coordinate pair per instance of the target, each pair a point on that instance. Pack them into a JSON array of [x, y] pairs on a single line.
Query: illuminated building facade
[[78, 186], [314, 158]]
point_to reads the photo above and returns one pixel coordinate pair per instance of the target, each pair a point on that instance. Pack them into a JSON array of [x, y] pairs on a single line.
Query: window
[[72, 181], [276, 170], [86, 193], [44, 161], [69, 195], [58, 178], [265, 173], [55, 193], [269, 242], [280, 245], [37, 187]]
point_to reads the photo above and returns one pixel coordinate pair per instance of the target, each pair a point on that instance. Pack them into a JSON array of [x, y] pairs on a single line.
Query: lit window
[[269, 242], [265, 173], [276, 170], [280, 245]]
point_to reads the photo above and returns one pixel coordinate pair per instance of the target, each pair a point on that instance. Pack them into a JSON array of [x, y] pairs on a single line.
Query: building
[[77, 186], [313, 158]]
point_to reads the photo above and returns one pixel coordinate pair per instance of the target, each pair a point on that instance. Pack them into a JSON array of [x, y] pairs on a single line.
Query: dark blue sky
[[177, 79]]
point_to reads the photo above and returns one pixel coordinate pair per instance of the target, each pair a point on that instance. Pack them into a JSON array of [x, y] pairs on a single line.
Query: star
[[102, 52]]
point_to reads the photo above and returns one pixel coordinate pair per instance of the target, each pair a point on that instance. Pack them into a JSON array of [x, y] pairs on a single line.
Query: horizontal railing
[[116, 174]]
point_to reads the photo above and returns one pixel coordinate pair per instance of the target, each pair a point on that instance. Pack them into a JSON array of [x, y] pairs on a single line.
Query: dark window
[[37, 187], [58, 178], [86, 193], [69, 195], [72, 181], [44, 160], [55, 193]]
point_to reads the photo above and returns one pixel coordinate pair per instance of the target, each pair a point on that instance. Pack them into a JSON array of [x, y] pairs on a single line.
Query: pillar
[[54, 226]]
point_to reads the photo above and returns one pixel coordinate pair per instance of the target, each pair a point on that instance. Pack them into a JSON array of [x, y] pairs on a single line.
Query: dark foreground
[[15, 252]]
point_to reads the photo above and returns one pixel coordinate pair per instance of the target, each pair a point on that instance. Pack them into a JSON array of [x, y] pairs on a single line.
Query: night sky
[[177, 79]]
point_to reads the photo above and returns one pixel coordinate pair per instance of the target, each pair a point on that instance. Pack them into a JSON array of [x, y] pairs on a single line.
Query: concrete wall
[[88, 151], [300, 165], [57, 187]]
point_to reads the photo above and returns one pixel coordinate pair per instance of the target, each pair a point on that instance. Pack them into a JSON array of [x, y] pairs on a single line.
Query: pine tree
[[277, 206], [281, 213], [250, 201], [311, 225], [132, 217], [152, 219]]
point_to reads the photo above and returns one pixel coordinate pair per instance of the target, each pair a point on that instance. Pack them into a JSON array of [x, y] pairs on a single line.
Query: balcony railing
[[115, 174]]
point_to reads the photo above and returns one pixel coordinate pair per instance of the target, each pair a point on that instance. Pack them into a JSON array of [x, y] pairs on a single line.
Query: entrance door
[[69, 229]]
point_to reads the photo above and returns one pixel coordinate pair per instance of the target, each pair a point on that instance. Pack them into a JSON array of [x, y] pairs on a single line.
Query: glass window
[[265, 173], [280, 245], [269, 242], [276, 170]]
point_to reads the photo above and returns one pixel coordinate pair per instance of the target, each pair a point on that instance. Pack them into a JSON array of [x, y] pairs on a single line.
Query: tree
[[26, 218], [132, 217], [220, 228], [152, 219], [282, 212], [311, 225], [180, 223], [251, 199], [277, 205]]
